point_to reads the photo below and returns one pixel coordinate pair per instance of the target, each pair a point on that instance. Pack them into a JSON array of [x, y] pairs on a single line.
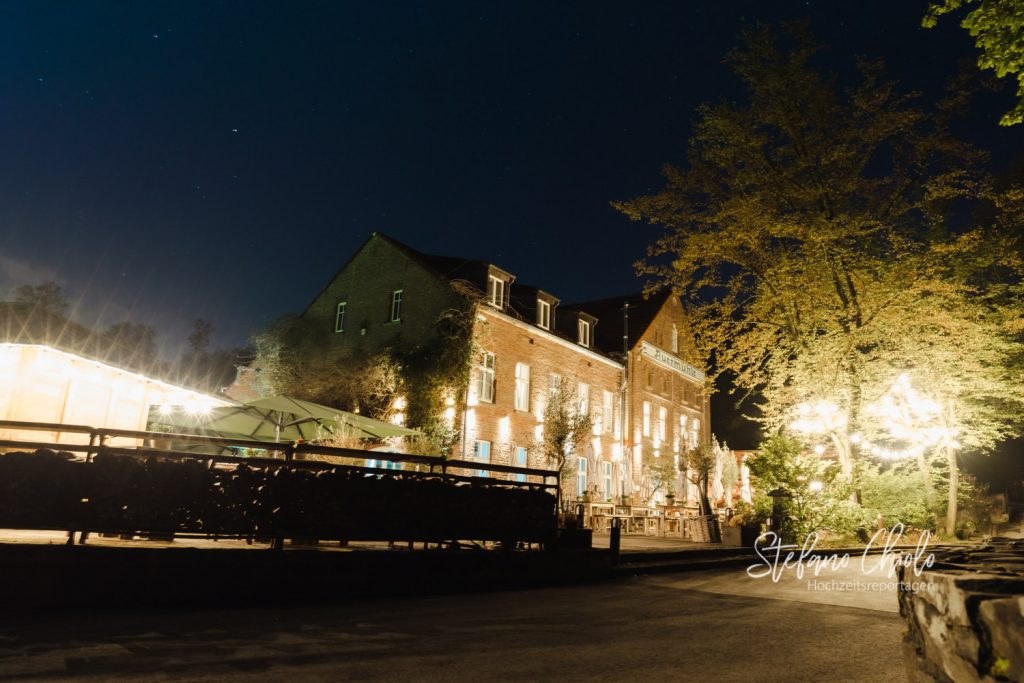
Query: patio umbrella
[[283, 418]]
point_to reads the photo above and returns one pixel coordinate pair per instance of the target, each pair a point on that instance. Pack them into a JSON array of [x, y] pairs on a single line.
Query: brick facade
[[366, 284], [662, 387], [507, 325], [515, 342]]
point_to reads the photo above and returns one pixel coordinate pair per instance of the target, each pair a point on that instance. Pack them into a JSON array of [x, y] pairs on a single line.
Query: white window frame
[[607, 467], [521, 459], [482, 454], [543, 314], [339, 316], [581, 476], [554, 382], [647, 419], [583, 329], [583, 394], [396, 306], [496, 291], [485, 391], [522, 395], [662, 423]]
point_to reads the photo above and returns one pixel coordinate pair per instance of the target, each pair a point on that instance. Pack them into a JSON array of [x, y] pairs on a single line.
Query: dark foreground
[[644, 629]]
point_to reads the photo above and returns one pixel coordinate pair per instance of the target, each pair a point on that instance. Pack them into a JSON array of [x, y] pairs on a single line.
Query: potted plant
[[743, 527]]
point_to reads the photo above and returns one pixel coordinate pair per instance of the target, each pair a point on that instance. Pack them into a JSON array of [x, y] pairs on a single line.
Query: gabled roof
[[447, 267], [608, 332]]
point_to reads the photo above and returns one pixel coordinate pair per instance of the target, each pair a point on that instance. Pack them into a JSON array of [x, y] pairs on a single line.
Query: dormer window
[[498, 285], [543, 314], [496, 291], [583, 327], [546, 305]]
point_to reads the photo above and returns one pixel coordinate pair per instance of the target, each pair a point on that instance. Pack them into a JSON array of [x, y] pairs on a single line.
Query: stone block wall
[[965, 615]]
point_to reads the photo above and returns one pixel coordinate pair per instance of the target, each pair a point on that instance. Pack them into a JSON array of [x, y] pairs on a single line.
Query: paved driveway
[[707, 626]]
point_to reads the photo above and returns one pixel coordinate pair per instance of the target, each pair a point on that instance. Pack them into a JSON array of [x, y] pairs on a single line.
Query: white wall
[[43, 384]]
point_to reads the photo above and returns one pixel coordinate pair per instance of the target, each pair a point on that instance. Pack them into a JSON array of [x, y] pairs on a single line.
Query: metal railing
[[277, 456], [291, 453]]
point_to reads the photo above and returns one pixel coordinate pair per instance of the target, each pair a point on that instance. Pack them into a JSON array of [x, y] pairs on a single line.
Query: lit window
[[607, 480], [543, 314], [647, 419], [522, 400], [584, 332], [584, 396], [486, 392], [520, 462], [675, 339], [396, 306], [339, 317], [482, 454], [495, 291], [662, 423], [581, 476], [384, 464], [608, 411]]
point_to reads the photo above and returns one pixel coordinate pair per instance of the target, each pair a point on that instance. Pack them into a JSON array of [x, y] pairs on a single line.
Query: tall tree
[[997, 27], [46, 296], [131, 344], [810, 229]]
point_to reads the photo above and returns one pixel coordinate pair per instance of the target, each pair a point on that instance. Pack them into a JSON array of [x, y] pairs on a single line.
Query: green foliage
[[784, 462], [435, 375], [565, 429], [297, 358], [898, 494], [809, 227], [663, 471], [997, 27]]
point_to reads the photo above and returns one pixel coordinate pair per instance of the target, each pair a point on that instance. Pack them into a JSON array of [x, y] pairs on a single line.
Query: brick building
[[627, 362]]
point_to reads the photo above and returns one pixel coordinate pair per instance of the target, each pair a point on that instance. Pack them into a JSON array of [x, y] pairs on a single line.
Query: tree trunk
[[954, 486], [842, 444], [714, 532]]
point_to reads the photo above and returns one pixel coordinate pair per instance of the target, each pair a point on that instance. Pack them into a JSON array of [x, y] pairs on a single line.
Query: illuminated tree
[[819, 494], [997, 27], [565, 428], [702, 462], [810, 232]]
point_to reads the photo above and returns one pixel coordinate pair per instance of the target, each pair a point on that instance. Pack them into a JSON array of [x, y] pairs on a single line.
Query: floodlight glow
[[911, 418]]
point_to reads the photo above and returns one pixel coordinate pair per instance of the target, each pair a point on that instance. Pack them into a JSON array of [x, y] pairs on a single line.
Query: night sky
[[169, 160]]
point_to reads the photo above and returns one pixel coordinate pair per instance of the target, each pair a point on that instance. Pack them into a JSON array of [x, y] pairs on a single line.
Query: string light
[[909, 417]]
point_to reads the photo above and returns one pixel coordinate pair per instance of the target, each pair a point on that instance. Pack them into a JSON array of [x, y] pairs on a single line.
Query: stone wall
[[965, 615]]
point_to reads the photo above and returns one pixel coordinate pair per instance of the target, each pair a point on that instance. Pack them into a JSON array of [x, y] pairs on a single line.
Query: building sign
[[670, 361]]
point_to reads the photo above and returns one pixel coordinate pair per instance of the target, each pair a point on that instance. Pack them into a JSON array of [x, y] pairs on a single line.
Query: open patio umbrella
[[283, 418]]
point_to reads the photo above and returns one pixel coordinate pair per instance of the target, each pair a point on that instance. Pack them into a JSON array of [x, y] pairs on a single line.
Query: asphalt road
[[697, 626]]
